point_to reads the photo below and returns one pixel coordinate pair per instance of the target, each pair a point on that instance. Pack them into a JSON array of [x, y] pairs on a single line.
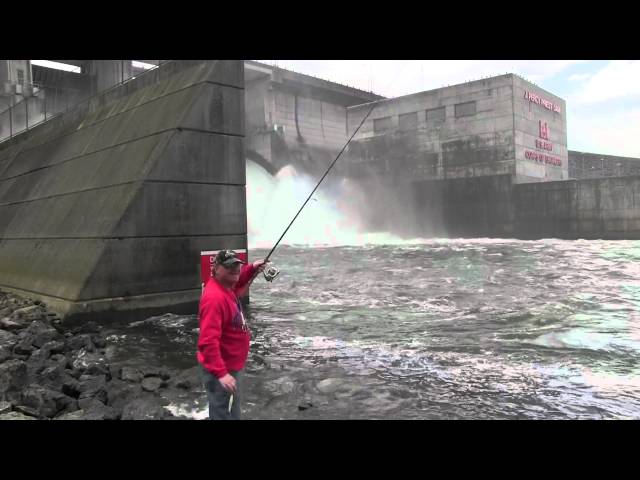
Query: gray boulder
[[13, 376], [16, 416], [152, 384]]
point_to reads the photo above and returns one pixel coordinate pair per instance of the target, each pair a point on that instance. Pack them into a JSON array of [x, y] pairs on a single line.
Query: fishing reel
[[270, 273]]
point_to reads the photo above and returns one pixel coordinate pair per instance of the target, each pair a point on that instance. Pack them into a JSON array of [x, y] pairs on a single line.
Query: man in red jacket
[[223, 344]]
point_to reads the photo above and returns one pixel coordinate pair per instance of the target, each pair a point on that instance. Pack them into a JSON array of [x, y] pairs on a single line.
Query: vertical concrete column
[[110, 72]]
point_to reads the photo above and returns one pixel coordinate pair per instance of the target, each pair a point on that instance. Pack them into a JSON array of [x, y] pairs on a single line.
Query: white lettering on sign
[[532, 97]]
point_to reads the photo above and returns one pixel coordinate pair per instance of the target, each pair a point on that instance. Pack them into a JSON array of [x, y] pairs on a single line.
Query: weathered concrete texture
[[480, 128], [595, 165], [117, 198], [465, 207], [606, 208], [425, 135], [495, 207]]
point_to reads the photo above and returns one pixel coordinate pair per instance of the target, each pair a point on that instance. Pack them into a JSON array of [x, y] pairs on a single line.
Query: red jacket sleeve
[[245, 275], [209, 340]]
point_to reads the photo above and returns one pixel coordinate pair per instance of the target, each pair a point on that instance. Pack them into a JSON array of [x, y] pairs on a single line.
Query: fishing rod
[[272, 272]]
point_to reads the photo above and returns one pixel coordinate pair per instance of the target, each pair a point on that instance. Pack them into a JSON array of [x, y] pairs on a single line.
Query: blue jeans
[[219, 398]]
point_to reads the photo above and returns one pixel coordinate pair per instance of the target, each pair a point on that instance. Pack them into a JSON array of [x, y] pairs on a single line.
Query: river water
[[441, 329]]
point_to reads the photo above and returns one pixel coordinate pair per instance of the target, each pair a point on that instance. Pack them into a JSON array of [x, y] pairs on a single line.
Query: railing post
[[10, 122], [26, 116]]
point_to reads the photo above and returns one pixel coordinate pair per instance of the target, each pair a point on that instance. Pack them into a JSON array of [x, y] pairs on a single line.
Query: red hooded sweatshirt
[[223, 344]]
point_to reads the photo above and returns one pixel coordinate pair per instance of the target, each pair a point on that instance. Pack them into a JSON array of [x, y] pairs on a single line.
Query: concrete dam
[[106, 207]]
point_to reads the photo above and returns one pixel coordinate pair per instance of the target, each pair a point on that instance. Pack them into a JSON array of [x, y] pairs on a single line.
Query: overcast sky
[[603, 97]]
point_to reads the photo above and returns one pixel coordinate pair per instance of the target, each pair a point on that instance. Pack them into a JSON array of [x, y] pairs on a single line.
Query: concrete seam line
[[118, 145], [128, 237], [198, 289], [103, 187]]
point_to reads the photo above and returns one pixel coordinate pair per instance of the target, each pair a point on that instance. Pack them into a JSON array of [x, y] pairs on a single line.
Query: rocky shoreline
[[52, 371]]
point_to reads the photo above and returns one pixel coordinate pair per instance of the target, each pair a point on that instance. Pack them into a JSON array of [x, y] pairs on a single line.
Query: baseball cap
[[227, 258]]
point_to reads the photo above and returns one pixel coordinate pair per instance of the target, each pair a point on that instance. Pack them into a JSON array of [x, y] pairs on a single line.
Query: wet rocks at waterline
[[50, 371]]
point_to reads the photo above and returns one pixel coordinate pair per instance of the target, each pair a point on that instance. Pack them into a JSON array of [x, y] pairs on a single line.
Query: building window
[[436, 114], [465, 109], [408, 121], [381, 124], [20, 76]]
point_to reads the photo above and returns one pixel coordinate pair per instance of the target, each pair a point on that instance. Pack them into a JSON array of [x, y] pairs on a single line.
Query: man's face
[[228, 276]]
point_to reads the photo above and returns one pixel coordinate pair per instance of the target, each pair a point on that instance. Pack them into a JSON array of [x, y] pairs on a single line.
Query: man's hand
[[260, 265], [228, 383]]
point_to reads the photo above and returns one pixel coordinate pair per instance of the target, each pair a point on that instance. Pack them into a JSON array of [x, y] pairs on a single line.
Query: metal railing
[[42, 103]]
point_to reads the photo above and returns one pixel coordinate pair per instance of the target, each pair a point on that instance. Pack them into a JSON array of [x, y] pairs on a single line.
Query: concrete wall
[[607, 208], [452, 146], [493, 206], [486, 127], [594, 165], [527, 118], [108, 207], [465, 207]]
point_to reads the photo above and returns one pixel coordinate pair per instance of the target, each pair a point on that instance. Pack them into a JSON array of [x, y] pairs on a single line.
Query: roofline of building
[[345, 88], [423, 92]]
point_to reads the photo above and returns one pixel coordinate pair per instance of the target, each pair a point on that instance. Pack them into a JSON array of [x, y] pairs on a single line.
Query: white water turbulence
[[330, 218]]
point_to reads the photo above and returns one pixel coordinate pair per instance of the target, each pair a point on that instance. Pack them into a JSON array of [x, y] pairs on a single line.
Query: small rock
[[86, 403], [22, 312], [13, 376], [305, 406], [152, 384], [5, 354], [16, 416], [189, 378], [37, 362], [77, 415], [50, 335], [130, 374], [24, 347], [8, 339], [156, 372], [81, 342], [87, 361], [8, 324], [31, 412], [280, 386], [55, 347], [45, 401], [329, 385], [100, 411], [52, 376], [149, 408], [93, 387], [71, 387], [5, 407], [120, 393], [98, 341], [58, 358]]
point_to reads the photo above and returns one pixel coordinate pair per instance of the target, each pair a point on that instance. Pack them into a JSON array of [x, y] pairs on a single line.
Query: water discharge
[[333, 217]]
